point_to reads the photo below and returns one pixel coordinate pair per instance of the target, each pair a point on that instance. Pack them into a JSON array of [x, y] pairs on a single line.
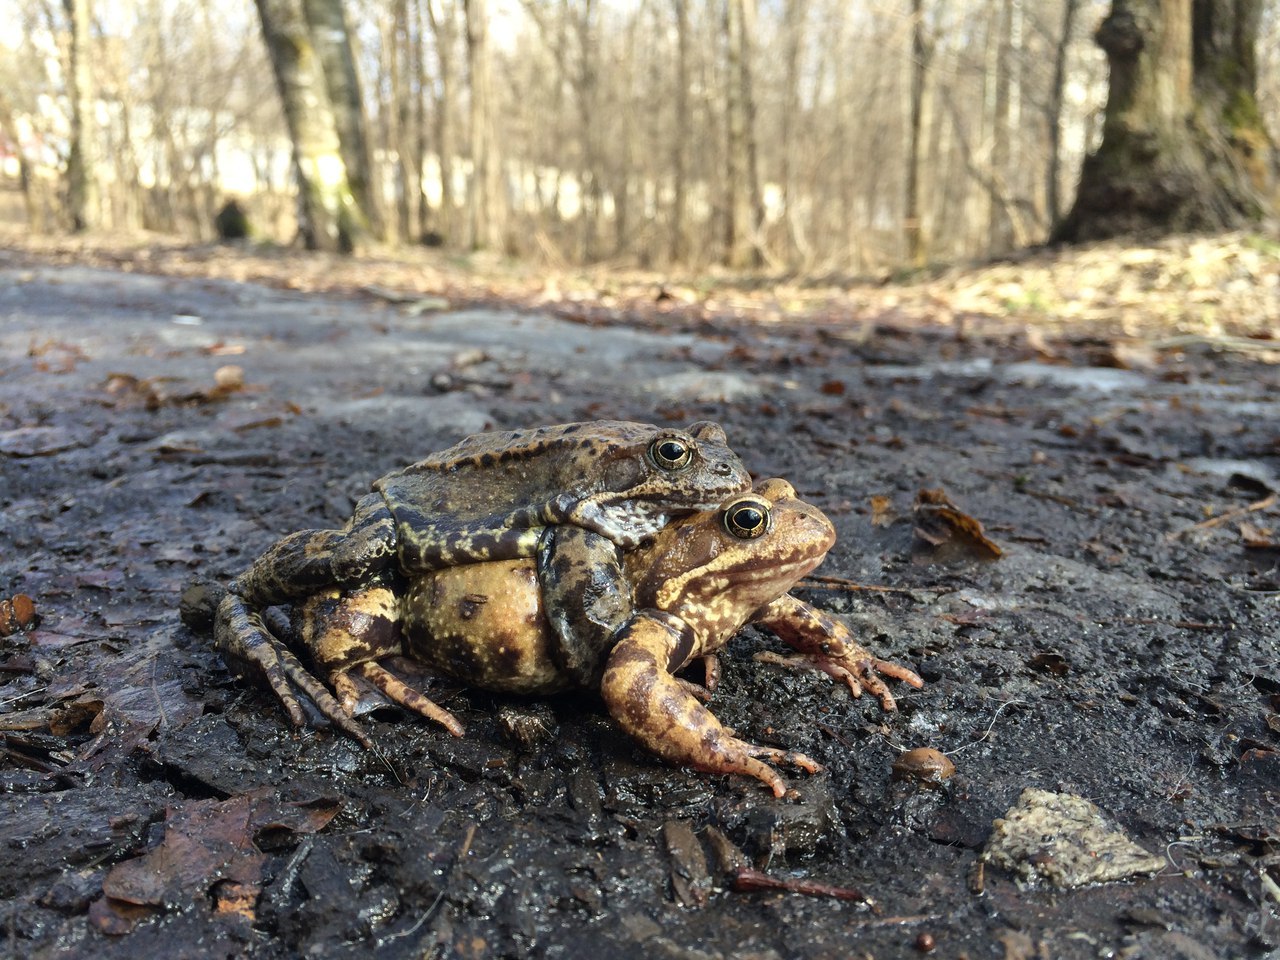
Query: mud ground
[[1119, 649]]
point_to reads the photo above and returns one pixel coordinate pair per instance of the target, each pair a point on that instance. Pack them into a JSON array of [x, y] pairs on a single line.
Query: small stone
[[925, 766], [1065, 840]]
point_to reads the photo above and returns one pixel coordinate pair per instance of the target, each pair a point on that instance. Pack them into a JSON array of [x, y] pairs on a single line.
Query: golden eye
[[670, 453], [747, 520]]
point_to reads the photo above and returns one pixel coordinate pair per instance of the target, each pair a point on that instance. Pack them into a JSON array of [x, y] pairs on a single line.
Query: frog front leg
[[660, 712], [303, 563], [585, 598], [826, 644]]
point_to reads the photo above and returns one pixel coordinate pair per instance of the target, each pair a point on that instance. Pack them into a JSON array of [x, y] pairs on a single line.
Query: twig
[[749, 880], [1262, 504], [987, 732], [1242, 344]]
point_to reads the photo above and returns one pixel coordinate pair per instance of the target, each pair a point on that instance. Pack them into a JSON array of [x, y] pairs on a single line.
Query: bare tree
[[743, 208], [330, 217], [485, 201], [1053, 173], [442, 15], [912, 226], [82, 171], [331, 40]]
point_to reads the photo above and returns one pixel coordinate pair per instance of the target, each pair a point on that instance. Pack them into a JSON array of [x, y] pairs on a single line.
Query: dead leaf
[[939, 521], [882, 512], [209, 852], [1257, 537], [17, 613]]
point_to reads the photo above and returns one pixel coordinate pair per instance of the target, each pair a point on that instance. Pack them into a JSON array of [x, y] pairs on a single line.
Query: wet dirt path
[[1114, 651]]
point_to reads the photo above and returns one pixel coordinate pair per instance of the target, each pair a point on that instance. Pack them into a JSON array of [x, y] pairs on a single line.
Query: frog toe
[[247, 644], [396, 689]]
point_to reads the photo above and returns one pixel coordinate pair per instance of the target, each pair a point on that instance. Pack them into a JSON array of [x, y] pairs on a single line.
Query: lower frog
[[701, 579]]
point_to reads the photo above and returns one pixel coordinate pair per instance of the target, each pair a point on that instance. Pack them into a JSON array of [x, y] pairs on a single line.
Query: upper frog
[[690, 590], [573, 494], [489, 496]]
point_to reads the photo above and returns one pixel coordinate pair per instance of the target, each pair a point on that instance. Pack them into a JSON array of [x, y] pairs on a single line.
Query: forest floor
[[1111, 415]]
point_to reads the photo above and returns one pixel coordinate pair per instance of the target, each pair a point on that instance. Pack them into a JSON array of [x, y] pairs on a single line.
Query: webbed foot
[[250, 647], [857, 668], [662, 713]]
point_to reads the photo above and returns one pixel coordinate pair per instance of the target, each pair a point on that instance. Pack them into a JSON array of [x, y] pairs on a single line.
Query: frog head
[[640, 481], [716, 568]]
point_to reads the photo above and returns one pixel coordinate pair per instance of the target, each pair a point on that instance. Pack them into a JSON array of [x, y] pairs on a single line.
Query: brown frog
[[571, 495], [690, 590]]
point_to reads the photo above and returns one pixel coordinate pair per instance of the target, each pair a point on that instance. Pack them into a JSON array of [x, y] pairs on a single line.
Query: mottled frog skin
[[572, 495], [690, 590]]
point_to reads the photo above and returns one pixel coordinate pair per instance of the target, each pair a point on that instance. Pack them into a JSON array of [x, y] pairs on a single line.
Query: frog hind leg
[[824, 643], [396, 689], [298, 566], [350, 634], [585, 599], [245, 641], [660, 712]]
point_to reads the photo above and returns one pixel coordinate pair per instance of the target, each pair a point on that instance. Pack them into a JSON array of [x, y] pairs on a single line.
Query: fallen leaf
[[939, 521], [209, 854], [1258, 537], [882, 512], [17, 613]]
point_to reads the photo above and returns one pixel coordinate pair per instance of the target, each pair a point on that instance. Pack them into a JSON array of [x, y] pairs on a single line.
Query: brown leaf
[[1257, 537], [115, 918], [939, 521], [882, 512], [17, 613], [209, 847]]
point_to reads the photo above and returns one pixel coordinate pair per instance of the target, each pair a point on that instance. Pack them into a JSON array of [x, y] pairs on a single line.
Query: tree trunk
[[8, 126], [331, 38], [793, 28], [1053, 176], [912, 227], [330, 217], [743, 206], [679, 142], [82, 173], [442, 28], [1184, 146], [485, 216], [1000, 224]]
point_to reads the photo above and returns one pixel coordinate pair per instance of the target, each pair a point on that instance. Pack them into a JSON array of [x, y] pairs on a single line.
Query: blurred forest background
[[800, 135]]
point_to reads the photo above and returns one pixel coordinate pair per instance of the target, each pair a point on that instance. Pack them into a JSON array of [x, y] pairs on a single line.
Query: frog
[[572, 495], [695, 585]]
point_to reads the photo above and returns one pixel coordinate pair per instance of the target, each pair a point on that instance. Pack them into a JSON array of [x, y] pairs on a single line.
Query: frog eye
[[747, 520], [670, 453]]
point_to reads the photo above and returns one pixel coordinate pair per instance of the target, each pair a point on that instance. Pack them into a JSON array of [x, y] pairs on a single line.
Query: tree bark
[[329, 215], [444, 30], [331, 38], [743, 208], [912, 227], [679, 142], [1057, 91], [485, 206], [82, 173], [1183, 146]]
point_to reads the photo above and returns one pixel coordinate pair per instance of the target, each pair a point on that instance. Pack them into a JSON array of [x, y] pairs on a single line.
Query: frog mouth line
[[792, 570]]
